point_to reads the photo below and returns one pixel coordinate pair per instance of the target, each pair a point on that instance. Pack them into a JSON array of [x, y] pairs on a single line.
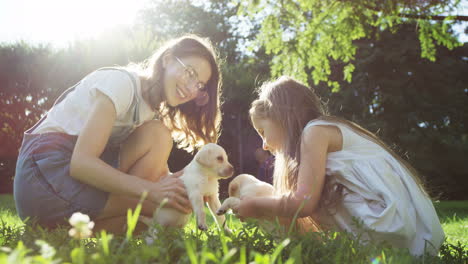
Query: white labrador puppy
[[200, 177], [244, 185]]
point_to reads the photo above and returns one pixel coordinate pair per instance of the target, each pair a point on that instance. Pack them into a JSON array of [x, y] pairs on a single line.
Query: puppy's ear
[[233, 189], [205, 158]]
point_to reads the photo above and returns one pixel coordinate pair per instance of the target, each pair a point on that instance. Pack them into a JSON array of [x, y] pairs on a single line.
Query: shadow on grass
[[447, 209]]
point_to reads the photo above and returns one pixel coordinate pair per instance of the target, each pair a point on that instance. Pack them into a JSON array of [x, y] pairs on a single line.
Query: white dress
[[382, 194]]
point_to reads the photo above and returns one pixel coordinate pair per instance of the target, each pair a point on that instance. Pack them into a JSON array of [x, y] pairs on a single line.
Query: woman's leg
[[117, 225], [146, 151], [144, 154]]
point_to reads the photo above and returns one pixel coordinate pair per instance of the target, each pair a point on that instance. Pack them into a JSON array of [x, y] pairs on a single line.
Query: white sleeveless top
[[382, 194]]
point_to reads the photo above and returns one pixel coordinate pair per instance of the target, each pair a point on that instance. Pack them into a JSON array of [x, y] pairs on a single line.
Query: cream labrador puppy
[[244, 185], [200, 177]]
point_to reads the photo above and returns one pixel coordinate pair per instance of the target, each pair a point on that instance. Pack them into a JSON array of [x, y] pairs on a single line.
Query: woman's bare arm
[[87, 167]]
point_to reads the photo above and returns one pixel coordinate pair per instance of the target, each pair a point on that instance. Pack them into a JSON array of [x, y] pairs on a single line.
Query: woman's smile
[[181, 92], [178, 87]]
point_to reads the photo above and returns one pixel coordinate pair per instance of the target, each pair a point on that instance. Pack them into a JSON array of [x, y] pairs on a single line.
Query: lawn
[[247, 244]]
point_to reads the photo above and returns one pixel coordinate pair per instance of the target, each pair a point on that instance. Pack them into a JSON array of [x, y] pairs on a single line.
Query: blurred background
[[398, 68]]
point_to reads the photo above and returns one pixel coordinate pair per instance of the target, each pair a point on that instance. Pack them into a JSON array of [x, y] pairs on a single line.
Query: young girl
[[333, 171], [107, 139]]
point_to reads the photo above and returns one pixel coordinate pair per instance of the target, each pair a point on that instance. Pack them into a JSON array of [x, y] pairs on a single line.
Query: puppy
[[244, 185], [200, 177]]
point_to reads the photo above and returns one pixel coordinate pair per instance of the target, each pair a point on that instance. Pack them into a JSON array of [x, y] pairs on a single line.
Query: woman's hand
[[172, 188]]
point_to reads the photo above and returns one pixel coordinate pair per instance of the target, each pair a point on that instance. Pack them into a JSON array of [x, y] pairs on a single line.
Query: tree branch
[[425, 17], [428, 17]]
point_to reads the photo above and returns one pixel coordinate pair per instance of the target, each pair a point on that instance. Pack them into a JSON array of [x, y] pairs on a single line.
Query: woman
[[107, 140]]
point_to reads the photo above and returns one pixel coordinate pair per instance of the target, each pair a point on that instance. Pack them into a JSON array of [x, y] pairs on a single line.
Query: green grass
[[454, 218], [247, 244], [8, 211]]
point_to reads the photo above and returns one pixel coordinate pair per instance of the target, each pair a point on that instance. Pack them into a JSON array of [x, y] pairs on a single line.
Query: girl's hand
[[172, 188], [246, 209]]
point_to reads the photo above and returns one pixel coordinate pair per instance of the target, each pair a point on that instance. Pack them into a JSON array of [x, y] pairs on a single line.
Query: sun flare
[[61, 21]]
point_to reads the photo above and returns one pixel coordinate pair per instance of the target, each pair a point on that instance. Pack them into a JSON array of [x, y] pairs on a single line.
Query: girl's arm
[[315, 146], [87, 167]]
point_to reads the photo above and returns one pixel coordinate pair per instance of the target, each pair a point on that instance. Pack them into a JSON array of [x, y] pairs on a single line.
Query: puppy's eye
[[220, 158]]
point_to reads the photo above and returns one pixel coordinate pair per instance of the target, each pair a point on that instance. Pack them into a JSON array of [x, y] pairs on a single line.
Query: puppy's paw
[[220, 212], [202, 227]]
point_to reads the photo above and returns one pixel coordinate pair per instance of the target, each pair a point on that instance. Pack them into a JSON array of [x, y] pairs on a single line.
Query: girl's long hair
[[292, 105], [191, 125]]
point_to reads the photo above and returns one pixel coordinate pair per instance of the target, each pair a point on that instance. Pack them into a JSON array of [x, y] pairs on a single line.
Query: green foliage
[[173, 18], [23, 90], [412, 103], [307, 35], [132, 217]]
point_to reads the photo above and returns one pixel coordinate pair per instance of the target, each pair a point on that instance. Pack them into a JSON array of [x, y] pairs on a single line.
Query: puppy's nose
[[229, 171]]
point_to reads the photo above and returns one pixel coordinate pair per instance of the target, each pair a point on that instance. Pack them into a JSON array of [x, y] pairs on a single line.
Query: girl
[[115, 124], [333, 171]]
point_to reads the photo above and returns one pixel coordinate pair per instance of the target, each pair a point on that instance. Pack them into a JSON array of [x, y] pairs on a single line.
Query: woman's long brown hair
[[191, 125]]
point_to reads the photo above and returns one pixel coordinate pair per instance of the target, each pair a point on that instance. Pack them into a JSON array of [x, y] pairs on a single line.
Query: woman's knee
[[151, 132], [147, 137]]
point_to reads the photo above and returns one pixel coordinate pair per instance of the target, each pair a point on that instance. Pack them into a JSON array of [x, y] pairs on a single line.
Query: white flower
[[47, 251], [82, 226], [78, 218]]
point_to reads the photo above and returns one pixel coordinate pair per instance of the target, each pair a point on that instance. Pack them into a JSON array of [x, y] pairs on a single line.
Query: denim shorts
[[44, 191]]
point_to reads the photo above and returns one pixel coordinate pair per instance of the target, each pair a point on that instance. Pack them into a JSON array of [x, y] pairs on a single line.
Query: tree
[[415, 104], [306, 35], [22, 99]]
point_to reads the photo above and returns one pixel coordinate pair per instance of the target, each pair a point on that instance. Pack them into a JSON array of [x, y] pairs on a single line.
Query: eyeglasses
[[191, 76]]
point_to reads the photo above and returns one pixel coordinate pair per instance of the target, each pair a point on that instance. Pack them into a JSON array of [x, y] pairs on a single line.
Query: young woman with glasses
[[107, 140]]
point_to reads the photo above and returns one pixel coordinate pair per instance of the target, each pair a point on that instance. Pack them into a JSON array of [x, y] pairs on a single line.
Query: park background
[[398, 68]]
